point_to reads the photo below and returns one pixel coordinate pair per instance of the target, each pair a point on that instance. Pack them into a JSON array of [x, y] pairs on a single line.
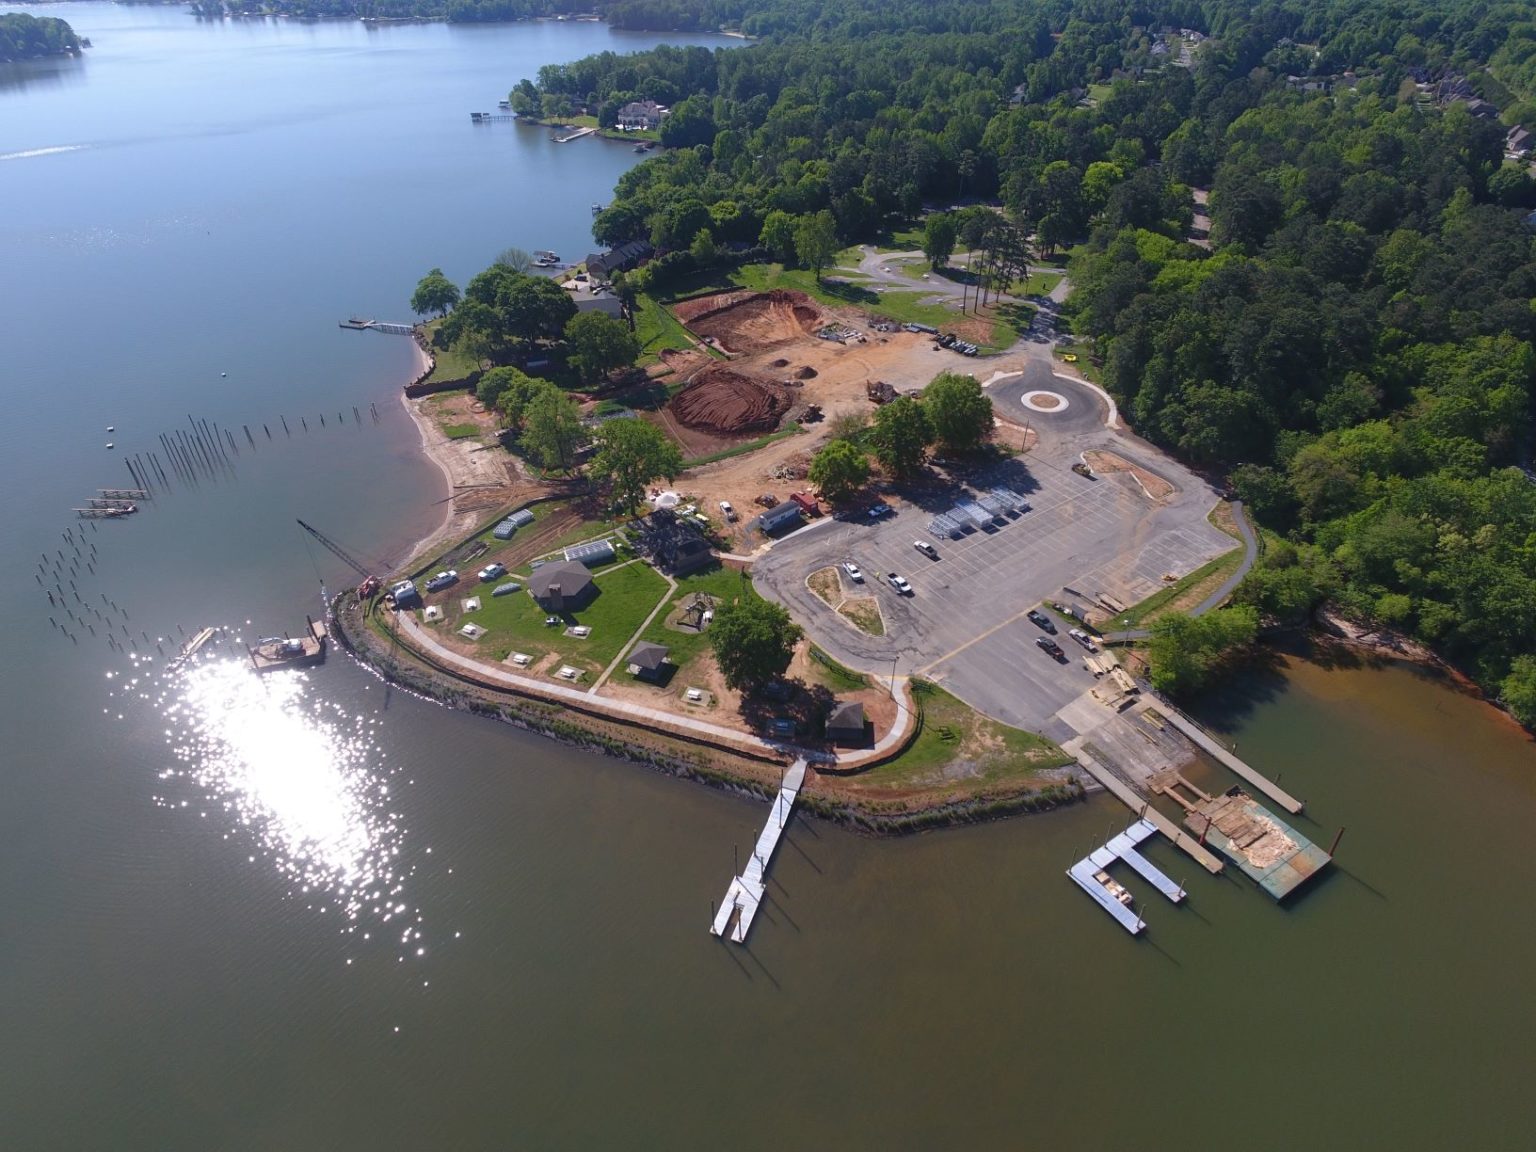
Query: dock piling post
[[1332, 848]]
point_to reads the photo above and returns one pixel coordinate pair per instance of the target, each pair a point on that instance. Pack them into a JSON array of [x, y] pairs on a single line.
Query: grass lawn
[[952, 731], [451, 364], [657, 330], [1040, 283], [626, 594], [460, 431], [901, 240], [1198, 584], [834, 675], [724, 584]]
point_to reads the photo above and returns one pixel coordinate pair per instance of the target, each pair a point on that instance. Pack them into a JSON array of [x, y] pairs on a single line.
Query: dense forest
[[24, 37], [1350, 347]]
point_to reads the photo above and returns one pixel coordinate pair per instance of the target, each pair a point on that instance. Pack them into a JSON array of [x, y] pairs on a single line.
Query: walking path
[[745, 894]]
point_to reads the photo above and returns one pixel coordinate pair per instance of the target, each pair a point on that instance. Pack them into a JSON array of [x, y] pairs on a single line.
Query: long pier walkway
[[1128, 796], [745, 895], [1203, 740]]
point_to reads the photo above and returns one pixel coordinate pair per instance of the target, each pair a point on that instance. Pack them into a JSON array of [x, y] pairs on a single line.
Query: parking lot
[[964, 624]]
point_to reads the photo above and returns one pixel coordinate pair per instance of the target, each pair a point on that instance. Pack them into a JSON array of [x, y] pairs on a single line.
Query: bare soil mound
[[720, 400], [751, 321]]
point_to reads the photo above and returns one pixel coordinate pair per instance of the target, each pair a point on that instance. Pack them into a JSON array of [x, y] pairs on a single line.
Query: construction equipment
[[370, 583]]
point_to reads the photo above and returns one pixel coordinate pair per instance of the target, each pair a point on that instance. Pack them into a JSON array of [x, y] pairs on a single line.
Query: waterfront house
[[602, 265], [641, 116]]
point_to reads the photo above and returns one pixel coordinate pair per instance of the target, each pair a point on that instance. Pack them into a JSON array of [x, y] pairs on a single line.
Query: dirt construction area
[[721, 400], [740, 323], [779, 355]]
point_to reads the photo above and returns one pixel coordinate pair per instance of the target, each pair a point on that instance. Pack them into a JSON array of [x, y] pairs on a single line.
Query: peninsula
[[827, 452]]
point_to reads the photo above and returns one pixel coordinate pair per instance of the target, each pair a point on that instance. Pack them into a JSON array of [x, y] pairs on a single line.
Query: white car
[[1083, 638], [728, 512], [899, 583], [853, 571], [492, 572], [926, 549]]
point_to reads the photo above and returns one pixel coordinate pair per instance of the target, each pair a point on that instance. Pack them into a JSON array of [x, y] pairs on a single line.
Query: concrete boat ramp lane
[[745, 895]]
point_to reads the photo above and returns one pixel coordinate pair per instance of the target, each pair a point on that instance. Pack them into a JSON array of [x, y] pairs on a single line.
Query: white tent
[[666, 500]]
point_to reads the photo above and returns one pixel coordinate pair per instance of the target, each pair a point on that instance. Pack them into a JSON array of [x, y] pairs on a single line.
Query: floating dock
[[276, 653], [192, 647], [358, 324], [1086, 872], [745, 895], [576, 135], [1269, 851]]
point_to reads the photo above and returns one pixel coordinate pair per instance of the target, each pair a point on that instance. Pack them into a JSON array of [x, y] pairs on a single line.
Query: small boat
[[1117, 890], [110, 444], [596, 208]]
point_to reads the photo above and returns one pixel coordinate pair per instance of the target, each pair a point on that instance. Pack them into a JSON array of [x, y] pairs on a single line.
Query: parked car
[[492, 572], [1083, 638], [853, 571], [1041, 620], [728, 512], [879, 511], [1051, 648], [926, 549], [899, 583], [443, 580]]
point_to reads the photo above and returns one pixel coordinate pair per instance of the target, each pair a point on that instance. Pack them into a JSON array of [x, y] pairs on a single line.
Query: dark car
[[1051, 648], [1041, 620]]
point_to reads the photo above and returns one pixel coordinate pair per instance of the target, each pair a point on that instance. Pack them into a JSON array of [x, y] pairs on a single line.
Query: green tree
[[816, 240], [901, 436], [939, 235], [599, 344], [552, 430], [1518, 690], [703, 249], [839, 470], [630, 454], [753, 641], [1185, 650], [535, 308], [958, 411], [778, 235], [434, 293], [510, 391]]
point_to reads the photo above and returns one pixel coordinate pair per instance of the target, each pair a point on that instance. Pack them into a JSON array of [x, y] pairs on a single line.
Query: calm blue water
[[316, 914]]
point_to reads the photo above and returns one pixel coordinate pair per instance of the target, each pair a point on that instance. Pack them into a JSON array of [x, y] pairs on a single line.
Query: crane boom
[[336, 548]]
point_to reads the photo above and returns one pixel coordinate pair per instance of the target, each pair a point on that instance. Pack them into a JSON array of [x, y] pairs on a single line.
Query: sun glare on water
[[303, 784]]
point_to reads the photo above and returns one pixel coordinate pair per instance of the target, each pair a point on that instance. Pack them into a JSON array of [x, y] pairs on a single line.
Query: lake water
[[317, 914]]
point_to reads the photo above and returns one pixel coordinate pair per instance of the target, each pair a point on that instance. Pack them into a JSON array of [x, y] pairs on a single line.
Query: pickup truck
[[899, 583]]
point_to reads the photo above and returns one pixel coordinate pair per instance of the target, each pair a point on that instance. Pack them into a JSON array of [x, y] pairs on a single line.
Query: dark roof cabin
[[558, 587], [646, 660], [846, 723]]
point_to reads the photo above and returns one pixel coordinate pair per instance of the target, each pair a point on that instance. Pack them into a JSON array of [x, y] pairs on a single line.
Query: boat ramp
[[1091, 874], [745, 895]]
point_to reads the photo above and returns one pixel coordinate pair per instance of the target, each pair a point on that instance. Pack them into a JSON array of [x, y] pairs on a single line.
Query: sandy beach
[[478, 477]]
